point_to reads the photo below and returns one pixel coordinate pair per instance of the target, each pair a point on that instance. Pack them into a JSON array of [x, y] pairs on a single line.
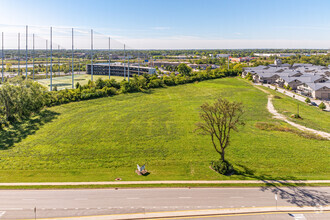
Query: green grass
[[65, 82], [312, 117], [102, 139]]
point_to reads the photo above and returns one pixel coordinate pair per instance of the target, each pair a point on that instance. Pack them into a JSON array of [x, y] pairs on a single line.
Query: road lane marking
[[132, 198], [81, 199], [28, 199], [236, 197], [185, 197]]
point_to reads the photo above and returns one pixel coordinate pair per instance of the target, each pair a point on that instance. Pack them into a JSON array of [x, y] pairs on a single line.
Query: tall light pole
[[59, 57], [2, 55], [109, 59], [51, 59], [46, 59], [72, 62], [124, 63], [33, 54], [26, 52], [128, 67], [92, 54], [18, 67], [138, 63]]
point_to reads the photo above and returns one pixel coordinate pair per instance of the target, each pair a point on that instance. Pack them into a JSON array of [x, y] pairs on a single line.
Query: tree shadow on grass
[[16, 132], [293, 192]]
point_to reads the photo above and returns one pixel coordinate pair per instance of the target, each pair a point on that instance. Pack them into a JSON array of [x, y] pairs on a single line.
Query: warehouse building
[[117, 69]]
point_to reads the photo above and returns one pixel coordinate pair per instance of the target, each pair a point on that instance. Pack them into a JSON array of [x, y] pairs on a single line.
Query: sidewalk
[[163, 182], [207, 212]]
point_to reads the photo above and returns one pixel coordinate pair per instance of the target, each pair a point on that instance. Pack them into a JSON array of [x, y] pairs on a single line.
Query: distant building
[[305, 79], [274, 54], [241, 59], [117, 69], [222, 55]]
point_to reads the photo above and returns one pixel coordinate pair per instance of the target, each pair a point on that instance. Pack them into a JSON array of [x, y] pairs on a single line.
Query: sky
[[171, 24]]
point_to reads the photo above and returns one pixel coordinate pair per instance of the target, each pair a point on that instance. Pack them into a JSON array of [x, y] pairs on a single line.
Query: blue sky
[[181, 23]]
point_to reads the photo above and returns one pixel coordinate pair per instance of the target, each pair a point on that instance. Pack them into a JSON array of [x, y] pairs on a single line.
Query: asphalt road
[[19, 204]]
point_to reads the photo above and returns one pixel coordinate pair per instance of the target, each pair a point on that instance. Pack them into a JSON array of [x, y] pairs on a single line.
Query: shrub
[[222, 167], [322, 106], [307, 100]]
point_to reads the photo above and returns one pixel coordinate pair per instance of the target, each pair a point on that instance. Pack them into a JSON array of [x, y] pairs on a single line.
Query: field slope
[[102, 139]]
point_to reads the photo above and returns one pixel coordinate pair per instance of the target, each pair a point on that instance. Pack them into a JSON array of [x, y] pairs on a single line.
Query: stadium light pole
[[124, 63], [33, 55], [26, 52], [59, 57], [92, 54], [109, 59], [51, 59], [2, 55], [72, 62], [138, 63], [18, 67], [46, 59], [128, 68]]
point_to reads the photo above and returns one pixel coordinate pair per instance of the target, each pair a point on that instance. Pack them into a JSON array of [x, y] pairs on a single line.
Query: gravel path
[[279, 116]]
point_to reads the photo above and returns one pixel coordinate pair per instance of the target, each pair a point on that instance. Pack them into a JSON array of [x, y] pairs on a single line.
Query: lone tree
[[218, 120]]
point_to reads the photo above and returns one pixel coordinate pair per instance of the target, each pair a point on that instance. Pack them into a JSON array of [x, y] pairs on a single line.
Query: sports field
[[65, 82], [104, 139]]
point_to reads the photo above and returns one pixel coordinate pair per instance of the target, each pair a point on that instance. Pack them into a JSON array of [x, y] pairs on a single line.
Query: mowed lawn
[[311, 116], [104, 139], [65, 82]]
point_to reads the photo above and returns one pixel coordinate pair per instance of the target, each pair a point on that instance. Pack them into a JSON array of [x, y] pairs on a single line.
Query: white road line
[[8, 209], [28, 199], [184, 197], [236, 197], [132, 198], [2, 213], [81, 199]]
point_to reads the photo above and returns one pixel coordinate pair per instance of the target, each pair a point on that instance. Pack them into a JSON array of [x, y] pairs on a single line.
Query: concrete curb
[[166, 182]]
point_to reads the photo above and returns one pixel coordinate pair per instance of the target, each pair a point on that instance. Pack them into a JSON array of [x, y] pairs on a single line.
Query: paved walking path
[[279, 116], [161, 182]]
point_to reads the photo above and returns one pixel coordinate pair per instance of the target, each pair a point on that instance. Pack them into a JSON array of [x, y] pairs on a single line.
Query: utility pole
[[72, 62], [26, 52], [109, 60], [33, 54], [92, 54], [51, 59]]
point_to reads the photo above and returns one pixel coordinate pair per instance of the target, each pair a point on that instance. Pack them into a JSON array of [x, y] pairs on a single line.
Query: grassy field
[[104, 139], [312, 116], [65, 82]]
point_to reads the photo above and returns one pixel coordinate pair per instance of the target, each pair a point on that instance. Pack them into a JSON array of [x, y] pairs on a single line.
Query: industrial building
[[117, 69]]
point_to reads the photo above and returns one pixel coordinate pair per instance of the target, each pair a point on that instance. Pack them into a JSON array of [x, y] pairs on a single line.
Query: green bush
[[222, 167], [322, 106], [307, 100]]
